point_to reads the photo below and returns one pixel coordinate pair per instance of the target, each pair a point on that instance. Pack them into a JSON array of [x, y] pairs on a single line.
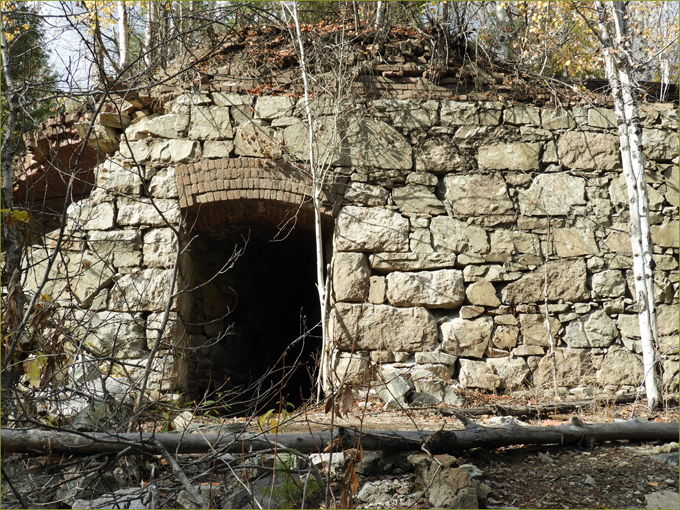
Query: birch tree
[[616, 50]]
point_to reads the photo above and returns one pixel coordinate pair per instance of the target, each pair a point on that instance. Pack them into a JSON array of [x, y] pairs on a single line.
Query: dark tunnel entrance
[[255, 326]]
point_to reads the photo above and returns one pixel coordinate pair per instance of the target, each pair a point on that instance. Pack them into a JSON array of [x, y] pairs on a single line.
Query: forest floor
[[617, 474]]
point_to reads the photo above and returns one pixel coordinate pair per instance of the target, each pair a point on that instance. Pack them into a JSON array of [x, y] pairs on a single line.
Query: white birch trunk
[[502, 16], [323, 382], [123, 36], [151, 31], [378, 14], [619, 73]]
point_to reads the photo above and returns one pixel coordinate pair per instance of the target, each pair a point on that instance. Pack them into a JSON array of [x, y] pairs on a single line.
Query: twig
[[195, 495]]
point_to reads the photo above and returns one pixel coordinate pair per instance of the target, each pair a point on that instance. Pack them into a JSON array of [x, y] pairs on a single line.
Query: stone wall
[[456, 227]]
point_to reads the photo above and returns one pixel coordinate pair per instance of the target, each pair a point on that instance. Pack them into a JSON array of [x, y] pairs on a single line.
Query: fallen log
[[539, 409], [442, 441]]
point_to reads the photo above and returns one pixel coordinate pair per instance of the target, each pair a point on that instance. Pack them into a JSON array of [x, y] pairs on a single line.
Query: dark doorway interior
[[256, 325]]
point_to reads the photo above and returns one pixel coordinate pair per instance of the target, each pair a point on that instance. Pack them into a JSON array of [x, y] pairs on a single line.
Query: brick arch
[[213, 181]]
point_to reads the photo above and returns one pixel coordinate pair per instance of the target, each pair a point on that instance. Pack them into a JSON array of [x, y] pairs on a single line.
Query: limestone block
[[85, 215], [142, 212], [422, 178], [618, 191], [421, 241], [506, 243], [620, 367], [528, 350], [566, 281], [468, 338], [83, 273], [138, 130], [174, 334], [122, 248], [415, 198], [350, 276], [210, 123], [253, 139], [557, 119], [629, 325], [667, 319], [160, 248], [665, 262], [367, 194], [552, 194], [438, 155], [217, 149], [618, 242], [102, 138], [573, 242], [482, 293], [144, 290], [351, 368], [164, 184], [368, 326], [523, 114], [172, 125], [272, 107], [488, 272], [451, 235], [505, 337], [596, 329], [441, 358], [512, 372], [115, 334], [602, 118], [373, 143], [138, 151], [114, 177], [174, 151], [535, 331], [191, 99], [406, 114], [589, 151], [232, 99], [478, 374], [510, 156], [660, 145], [370, 229], [471, 311], [573, 368], [610, 283], [395, 390], [412, 261], [472, 195], [433, 289], [456, 113], [666, 235], [376, 290]]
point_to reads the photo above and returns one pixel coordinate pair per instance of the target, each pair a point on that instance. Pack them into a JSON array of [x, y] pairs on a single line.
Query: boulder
[[351, 368], [168, 126], [620, 367], [553, 195], [477, 194], [272, 107], [667, 319], [610, 283], [469, 338], [574, 242], [439, 155], [368, 326], [512, 372], [367, 194], [585, 150], [478, 374], [370, 229], [433, 289], [596, 329], [350, 276], [210, 123], [566, 281], [666, 235], [510, 156], [416, 198], [451, 235], [505, 337], [395, 390], [659, 145], [482, 293], [535, 331]]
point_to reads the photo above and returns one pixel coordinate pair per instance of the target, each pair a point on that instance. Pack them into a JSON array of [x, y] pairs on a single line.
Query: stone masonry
[[465, 234]]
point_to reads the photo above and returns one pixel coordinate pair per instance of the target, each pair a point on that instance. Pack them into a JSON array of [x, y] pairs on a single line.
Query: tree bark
[[443, 441], [618, 67]]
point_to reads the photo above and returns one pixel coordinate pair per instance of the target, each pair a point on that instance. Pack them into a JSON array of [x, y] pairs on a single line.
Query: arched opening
[[255, 317]]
